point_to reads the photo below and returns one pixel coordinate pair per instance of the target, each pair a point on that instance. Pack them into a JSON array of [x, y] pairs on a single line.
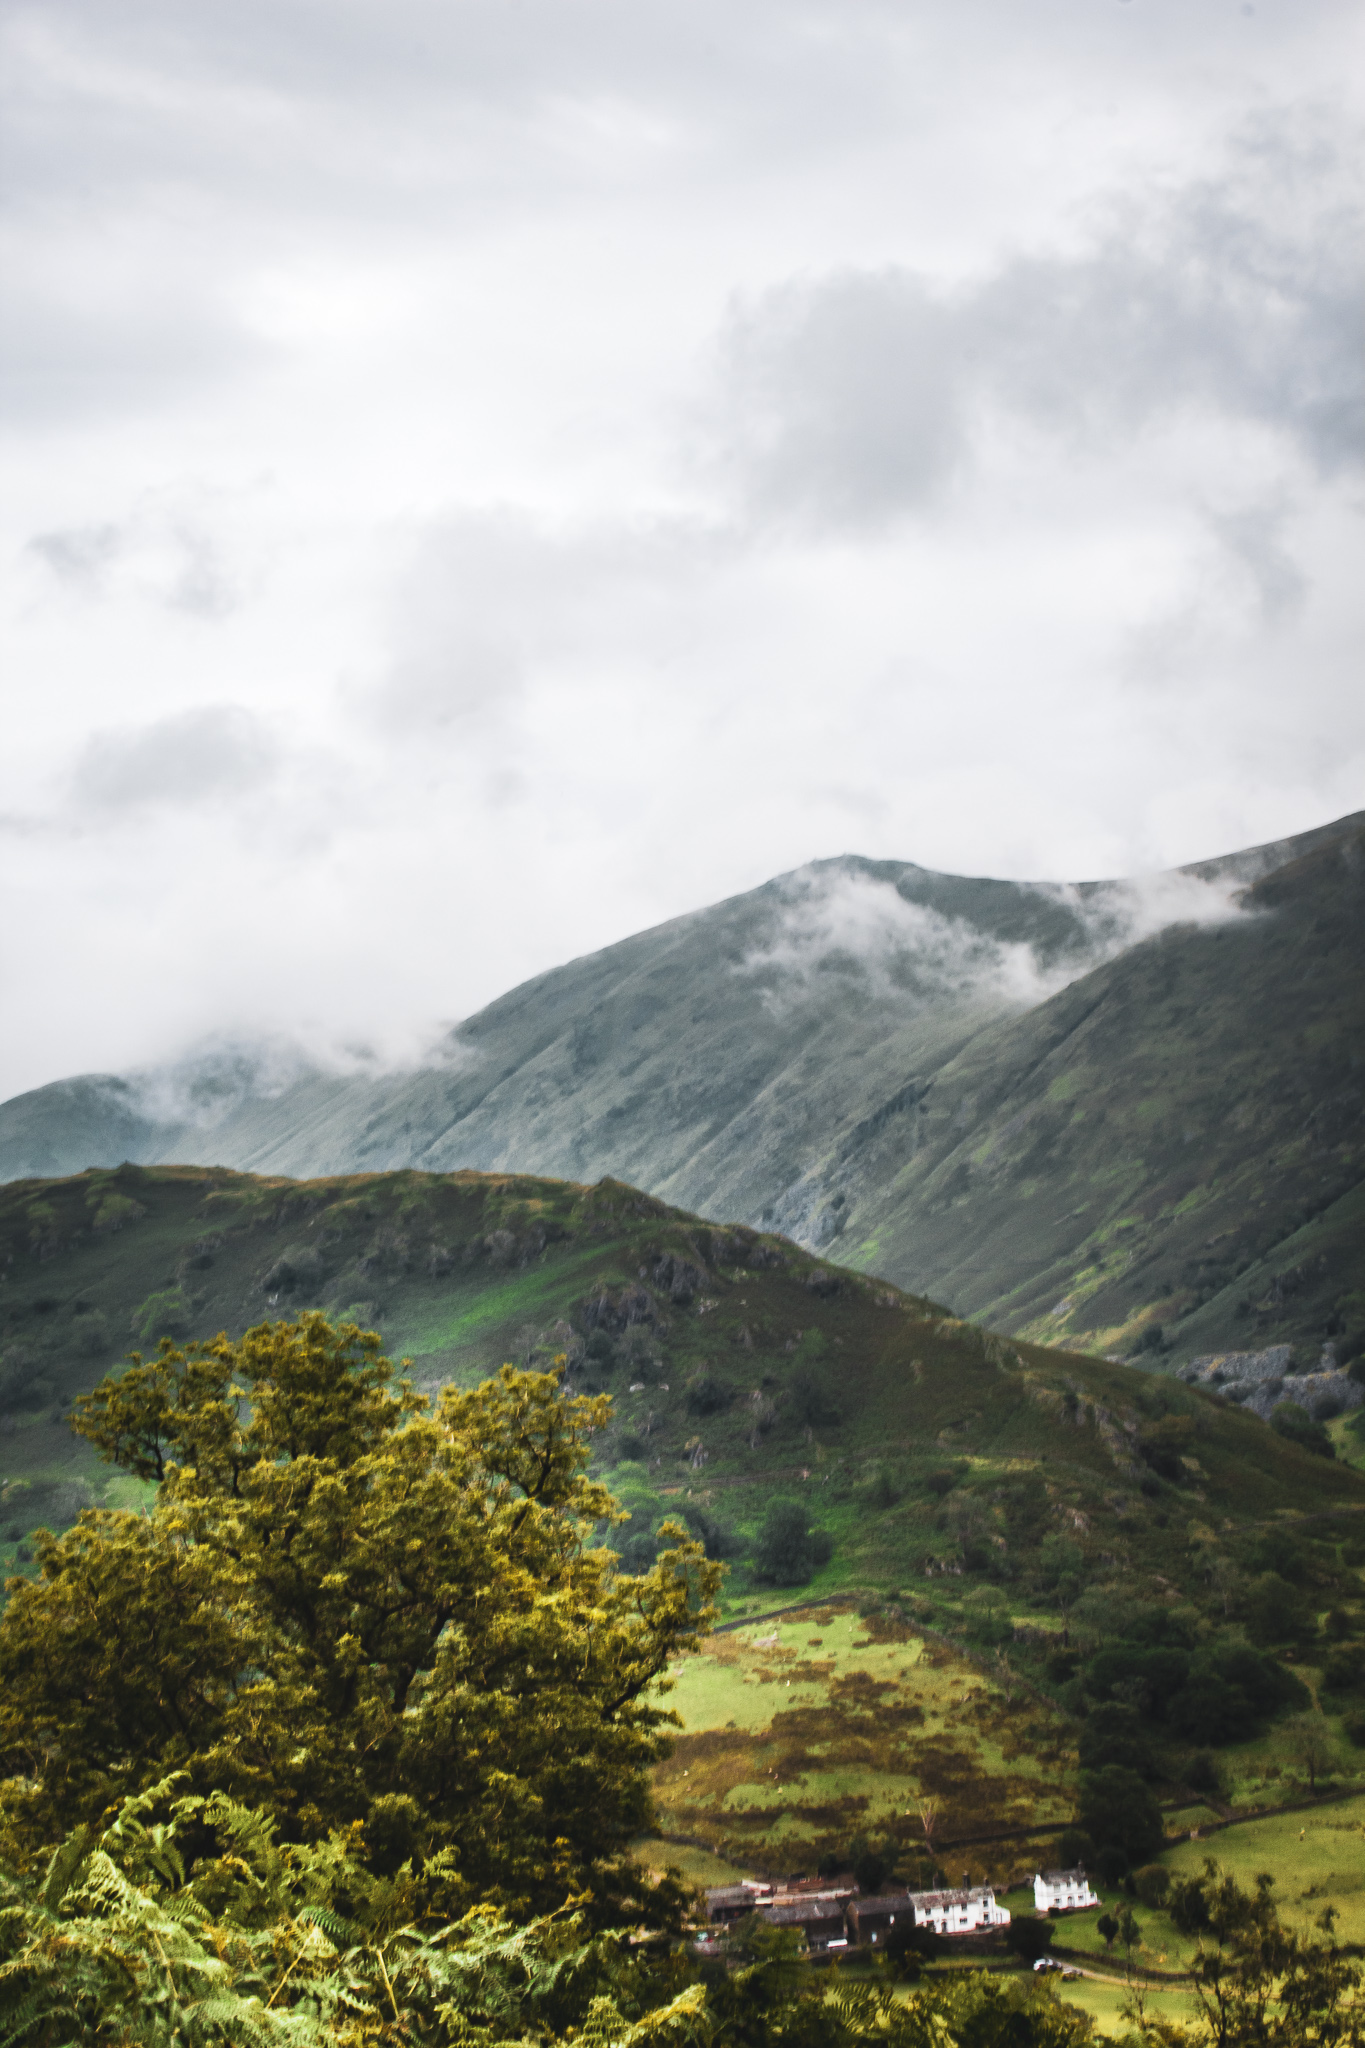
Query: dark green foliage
[[164, 1314], [1299, 1427], [787, 1550], [1218, 1693], [1113, 1733], [1202, 1774], [708, 1394], [718, 1540], [811, 1402], [1275, 1611], [1152, 1882], [1118, 1811], [1344, 1670], [1075, 1847], [870, 1862], [1028, 1937]]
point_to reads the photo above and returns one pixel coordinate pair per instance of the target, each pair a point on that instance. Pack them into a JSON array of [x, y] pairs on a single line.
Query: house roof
[[1076, 1876], [802, 1912], [883, 1902], [973, 1893]]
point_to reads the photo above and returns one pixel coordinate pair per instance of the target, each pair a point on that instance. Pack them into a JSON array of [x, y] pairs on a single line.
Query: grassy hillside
[[1029, 1506], [1177, 1140]]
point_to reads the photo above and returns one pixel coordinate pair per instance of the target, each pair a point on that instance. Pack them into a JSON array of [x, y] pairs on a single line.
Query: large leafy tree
[[351, 1608]]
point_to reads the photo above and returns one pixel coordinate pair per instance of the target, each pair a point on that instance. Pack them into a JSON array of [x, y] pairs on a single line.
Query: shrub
[[166, 1314], [1028, 1937], [1344, 1670], [1275, 1613], [787, 1550], [1295, 1423], [1153, 1882], [1203, 1774], [706, 1395]]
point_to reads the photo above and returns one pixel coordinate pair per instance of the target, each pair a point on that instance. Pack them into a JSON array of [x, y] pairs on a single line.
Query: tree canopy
[[354, 1609]]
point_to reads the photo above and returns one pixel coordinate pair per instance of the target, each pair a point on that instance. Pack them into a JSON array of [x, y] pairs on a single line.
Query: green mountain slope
[[822, 1430], [1178, 1139], [739, 1363], [1134, 1100]]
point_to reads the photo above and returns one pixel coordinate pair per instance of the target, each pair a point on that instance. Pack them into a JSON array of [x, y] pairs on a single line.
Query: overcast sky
[[483, 476]]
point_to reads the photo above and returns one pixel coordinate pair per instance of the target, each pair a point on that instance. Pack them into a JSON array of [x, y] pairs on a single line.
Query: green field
[[1317, 1858], [804, 1733]]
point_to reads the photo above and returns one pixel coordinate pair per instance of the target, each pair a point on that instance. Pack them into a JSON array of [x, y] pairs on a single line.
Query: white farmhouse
[[960, 1912], [1063, 1891]]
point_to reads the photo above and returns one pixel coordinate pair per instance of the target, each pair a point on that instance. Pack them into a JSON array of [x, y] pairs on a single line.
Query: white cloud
[[483, 479], [198, 757], [854, 398]]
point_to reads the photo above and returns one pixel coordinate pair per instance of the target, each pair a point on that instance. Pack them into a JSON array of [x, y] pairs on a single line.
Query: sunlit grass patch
[[802, 1732], [1317, 1859], [1104, 2003]]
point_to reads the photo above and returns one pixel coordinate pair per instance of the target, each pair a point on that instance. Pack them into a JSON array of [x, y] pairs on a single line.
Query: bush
[[787, 1550], [1353, 1727], [1275, 1613], [166, 1314], [707, 1395], [871, 1865], [1028, 1937], [1203, 1774], [809, 1399], [1344, 1670], [1074, 1848], [1153, 1882], [716, 1539], [1295, 1423]]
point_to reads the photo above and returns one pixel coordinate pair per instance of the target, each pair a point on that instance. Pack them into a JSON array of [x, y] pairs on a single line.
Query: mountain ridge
[[794, 1056]]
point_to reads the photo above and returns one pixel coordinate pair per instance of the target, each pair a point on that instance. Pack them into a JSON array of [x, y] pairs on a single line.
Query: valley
[[1028, 1565]]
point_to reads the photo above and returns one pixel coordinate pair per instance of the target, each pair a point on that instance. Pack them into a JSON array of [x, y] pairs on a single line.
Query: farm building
[[728, 1902], [961, 1912], [1063, 1891], [871, 1920], [819, 1915]]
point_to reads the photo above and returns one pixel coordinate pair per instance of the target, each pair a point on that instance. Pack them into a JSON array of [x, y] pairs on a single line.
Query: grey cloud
[[78, 555], [205, 755], [167, 553], [852, 398], [843, 398], [494, 601], [111, 352], [1253, 537]]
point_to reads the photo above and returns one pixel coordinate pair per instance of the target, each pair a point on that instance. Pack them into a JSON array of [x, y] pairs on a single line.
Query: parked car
[[1049, 1963]]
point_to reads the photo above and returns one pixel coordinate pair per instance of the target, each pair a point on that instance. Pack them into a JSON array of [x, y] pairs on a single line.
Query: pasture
[[804, 1733]]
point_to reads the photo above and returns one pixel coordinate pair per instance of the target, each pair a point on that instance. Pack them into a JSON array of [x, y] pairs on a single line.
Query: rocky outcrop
[[1261, 1380]]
